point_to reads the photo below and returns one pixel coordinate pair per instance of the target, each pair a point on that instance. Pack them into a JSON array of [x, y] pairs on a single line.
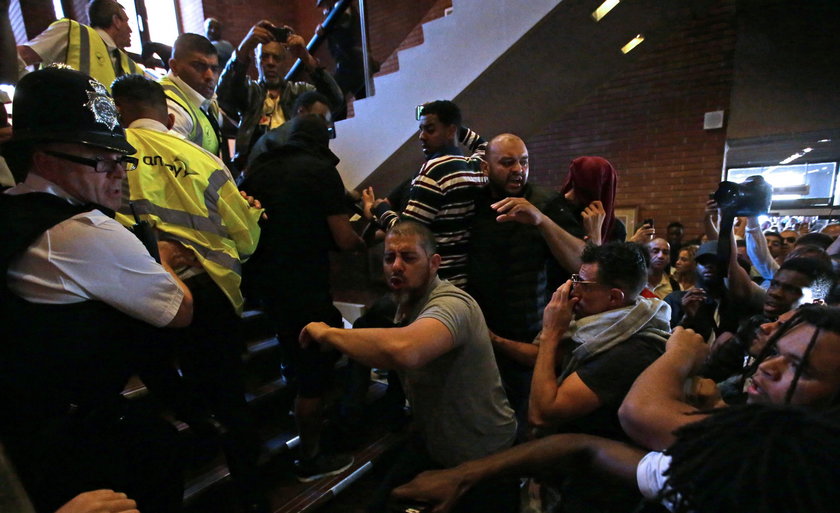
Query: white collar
[[192, 95], [109, 41], [37, 183]]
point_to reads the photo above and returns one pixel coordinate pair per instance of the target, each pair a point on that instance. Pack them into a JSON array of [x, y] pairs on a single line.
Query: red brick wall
[[649, 124]]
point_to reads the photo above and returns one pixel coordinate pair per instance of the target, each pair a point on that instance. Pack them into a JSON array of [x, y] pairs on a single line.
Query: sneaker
[[323, 465]]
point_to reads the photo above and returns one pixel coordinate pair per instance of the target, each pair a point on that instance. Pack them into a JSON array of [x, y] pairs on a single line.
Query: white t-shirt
[[650, 476], [92, 257], [51, 44]]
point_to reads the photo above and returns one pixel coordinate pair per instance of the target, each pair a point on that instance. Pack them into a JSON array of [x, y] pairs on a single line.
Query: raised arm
[[758, 251], [557, 453], [550, 403], [232, 90], [655, 405]]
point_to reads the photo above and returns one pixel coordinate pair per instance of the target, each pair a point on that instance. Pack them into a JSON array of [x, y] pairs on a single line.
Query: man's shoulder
[[445, 291], [450, 166]]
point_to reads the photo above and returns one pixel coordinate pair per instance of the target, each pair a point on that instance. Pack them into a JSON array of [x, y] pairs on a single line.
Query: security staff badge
[[102, 106]]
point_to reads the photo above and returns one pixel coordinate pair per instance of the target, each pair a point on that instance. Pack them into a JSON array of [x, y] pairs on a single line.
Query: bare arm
[[410, 347], [566, 452], [654, 407], [550, 404], [343, 234], [524, 353], [758, 251], [565, 247], [740, 285], [710, 218]]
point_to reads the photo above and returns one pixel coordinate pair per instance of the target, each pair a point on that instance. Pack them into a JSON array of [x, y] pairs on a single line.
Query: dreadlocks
[[757, 458], [823, 318]]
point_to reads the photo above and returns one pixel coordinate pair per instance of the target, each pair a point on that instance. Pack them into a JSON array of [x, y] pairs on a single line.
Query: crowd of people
[[532, 334]]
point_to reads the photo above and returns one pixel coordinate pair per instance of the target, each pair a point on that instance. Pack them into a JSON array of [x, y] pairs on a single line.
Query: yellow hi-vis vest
[[185, 193], [202, 132], [88, 53]]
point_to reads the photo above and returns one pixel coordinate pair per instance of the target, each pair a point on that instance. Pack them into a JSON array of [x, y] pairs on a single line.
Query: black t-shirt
[[610, 375], [299, 189]]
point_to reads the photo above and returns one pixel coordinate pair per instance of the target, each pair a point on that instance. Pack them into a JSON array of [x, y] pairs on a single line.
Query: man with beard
[[443, 351], [510, 268], [267, 103]]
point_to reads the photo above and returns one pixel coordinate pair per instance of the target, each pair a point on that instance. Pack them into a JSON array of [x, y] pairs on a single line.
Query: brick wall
[[649, 124]]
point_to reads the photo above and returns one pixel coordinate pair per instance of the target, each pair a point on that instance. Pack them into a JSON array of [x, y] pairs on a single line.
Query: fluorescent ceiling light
[[603, 9], [632, 44]]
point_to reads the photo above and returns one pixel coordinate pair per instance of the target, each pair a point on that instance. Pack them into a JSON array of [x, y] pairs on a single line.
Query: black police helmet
[[64, 105]]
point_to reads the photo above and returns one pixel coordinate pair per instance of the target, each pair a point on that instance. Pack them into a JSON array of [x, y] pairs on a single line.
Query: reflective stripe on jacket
[[202, 132], [88, 53], [185, 194]]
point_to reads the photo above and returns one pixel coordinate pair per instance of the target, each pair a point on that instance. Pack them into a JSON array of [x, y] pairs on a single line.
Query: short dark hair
[[308, 99], [772, 233], [446, 111], [101, 12], [815, 239], [189, 42], [760, 458], [818, 271], [621, 265], [675, 224], [140, 91], [824, 318], [412, 228]]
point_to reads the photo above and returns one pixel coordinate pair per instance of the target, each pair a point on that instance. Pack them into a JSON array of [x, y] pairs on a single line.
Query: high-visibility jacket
[[183, 192], [202, 132], [88, 53]]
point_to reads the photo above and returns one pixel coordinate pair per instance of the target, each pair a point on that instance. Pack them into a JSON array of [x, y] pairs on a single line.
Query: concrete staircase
[[510, 66]]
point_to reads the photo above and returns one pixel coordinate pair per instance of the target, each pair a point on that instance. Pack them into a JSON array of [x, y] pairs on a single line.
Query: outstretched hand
[[519, 210]]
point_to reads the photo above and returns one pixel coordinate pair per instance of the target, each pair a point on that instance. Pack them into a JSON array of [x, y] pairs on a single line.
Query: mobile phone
[[418, 111], [648, 222]]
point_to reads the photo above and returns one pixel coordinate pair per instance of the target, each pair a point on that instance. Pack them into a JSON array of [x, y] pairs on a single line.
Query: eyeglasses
[[577, 280], [202, 67], [100, 165], [790, 240]]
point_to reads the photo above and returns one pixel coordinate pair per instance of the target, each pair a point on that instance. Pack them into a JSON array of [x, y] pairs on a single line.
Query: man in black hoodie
[[303, 195]]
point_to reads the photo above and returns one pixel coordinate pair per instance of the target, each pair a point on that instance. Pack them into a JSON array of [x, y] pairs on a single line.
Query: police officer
[[78, 299]]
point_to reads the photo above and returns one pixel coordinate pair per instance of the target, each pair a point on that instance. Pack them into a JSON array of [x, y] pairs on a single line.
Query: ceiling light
[[632, 44], [603, 9]]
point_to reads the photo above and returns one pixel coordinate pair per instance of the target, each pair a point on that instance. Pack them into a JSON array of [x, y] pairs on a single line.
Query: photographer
[[267, 103]]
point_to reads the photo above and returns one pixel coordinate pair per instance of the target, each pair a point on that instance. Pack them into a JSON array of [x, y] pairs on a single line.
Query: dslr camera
[[281, 34], [750, 198]]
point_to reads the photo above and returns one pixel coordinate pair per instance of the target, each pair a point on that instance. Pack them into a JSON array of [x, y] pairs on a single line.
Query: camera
[[648, 222], [281, 34], [750, 198]]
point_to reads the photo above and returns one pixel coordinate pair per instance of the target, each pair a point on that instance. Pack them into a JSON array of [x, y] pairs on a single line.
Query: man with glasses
[[190, 88], [97, 50], [601, 334], [79, 300]]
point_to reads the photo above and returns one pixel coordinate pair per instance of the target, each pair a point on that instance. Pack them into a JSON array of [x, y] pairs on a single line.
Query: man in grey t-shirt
[[446, 360]]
